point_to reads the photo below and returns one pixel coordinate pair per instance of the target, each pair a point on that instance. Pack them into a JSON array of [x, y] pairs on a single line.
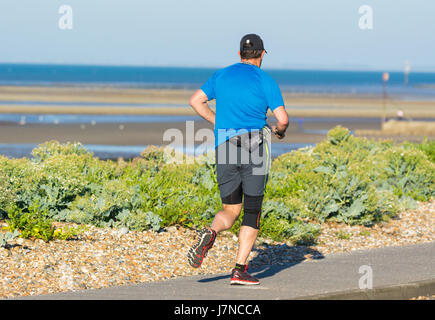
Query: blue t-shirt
[[243, 93]]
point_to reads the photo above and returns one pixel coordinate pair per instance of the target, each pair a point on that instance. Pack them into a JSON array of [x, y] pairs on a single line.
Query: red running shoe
[[242, 277], [199, 251]]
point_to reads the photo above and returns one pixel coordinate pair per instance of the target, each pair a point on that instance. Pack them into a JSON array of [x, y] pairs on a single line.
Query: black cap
[[251, 42]]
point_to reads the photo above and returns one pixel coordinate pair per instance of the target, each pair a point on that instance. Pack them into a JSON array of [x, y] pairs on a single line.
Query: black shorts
[[242, 172]]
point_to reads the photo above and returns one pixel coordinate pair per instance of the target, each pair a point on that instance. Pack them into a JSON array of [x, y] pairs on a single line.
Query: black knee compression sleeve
[[252, 211]]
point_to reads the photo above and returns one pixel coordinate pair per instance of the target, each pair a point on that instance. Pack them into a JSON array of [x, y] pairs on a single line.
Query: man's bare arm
[[282, 118], [198, 102]]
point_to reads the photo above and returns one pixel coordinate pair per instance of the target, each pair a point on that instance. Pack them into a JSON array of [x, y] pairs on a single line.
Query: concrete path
[[333, 276]]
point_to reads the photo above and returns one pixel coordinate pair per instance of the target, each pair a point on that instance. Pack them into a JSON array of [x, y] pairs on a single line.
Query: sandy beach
[[358, 113]]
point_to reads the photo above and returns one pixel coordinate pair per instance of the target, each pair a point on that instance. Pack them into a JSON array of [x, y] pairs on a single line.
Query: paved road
[[333, 273]]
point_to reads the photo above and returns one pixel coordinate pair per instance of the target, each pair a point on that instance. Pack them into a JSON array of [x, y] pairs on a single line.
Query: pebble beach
[[100, 258]]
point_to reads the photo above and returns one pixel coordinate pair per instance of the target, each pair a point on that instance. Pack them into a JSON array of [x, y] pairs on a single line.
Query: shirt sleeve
[[209, 87], [273, 94]]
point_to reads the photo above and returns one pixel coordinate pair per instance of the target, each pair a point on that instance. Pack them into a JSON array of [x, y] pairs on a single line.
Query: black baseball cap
[[251, 42]]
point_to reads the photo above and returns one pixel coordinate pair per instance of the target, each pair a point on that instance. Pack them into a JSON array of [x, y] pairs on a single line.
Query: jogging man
[[243, 94]]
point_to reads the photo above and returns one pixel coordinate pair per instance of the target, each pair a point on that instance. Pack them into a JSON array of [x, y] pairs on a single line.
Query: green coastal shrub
[[280, 222], [54, 178], [344, 178], [34, 223], [52, 149], [428, 147], [7, 195], [139, 220], [31, 223], [353, 180]]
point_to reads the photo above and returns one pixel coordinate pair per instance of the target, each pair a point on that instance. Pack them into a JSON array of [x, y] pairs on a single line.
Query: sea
[[415, 85]]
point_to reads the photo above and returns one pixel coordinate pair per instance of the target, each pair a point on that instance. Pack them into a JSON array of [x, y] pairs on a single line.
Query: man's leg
[[232, 206], [250, 226], [247, 238], [225, 218], [248, 234], [239, 274], [254, 184], [254, 178]]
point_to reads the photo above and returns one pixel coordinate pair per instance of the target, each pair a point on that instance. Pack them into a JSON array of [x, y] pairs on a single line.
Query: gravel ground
[[107, 257]]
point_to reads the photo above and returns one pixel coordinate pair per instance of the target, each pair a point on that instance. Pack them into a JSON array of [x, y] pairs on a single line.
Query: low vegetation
[[346, 179]]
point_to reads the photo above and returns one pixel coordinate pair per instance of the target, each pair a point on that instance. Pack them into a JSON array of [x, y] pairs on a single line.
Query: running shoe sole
[[199, 251], [244, 282]]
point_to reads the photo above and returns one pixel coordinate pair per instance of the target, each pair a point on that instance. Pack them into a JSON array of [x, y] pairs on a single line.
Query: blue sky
[[297, 34]]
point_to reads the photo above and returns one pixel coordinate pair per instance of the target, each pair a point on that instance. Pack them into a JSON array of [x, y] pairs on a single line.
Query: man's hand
[[282, 117], [278, 134]]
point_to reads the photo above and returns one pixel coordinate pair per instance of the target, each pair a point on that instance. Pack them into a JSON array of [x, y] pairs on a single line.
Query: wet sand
[[146, 133], [93, 100]]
